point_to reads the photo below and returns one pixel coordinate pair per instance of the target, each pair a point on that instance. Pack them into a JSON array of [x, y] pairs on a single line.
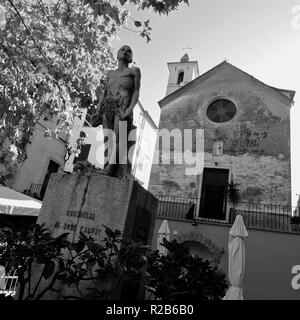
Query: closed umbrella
[[163, 232], [236, 259]]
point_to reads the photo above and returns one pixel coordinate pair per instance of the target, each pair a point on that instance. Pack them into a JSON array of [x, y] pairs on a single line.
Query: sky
[[261, 37]]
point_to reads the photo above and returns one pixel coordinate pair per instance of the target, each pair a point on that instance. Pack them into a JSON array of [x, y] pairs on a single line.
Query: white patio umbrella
[[163, 232], [236, 259], [16, 203]]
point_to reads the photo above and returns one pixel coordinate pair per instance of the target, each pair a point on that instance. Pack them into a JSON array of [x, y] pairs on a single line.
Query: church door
[[213, 195]]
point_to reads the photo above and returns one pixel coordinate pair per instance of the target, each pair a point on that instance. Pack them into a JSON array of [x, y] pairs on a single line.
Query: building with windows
[[45, 155], [49, 155], [235, 130]]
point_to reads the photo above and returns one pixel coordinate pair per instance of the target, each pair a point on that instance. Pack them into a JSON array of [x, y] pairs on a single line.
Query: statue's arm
[[136, 92], [104, 94], [97, 117]]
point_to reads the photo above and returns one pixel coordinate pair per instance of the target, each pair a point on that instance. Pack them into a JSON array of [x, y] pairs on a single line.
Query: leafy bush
[[111, 269], [181, 276], [72, 263], [233, 192]]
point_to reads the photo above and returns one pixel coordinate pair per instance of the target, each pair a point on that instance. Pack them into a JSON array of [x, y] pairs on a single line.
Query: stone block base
[[75, 203]]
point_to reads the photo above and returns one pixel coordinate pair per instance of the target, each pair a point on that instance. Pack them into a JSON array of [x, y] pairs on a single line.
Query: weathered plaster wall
[[263, 179], [256, 141], [39, 153], [172, 180]]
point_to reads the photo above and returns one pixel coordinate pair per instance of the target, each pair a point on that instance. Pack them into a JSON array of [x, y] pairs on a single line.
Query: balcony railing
[[176, 207], [267, 216], [34, 191], [262, 216]]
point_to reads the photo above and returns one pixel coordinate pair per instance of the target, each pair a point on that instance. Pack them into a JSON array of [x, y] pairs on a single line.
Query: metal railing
[[9, 283], [267, 216], [35, 191], [262, 216], [176, 207]]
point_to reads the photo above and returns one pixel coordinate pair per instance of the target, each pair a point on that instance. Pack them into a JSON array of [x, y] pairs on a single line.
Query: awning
[[16, 203]]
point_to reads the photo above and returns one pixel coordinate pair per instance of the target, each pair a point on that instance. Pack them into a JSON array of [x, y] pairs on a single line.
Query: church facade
[[243, 126], [240, 141]]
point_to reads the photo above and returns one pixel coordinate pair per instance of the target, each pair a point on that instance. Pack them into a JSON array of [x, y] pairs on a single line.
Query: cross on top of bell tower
[[187, 48], [185, 57]]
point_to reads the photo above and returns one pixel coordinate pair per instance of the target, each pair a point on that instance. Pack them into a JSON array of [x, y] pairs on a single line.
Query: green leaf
[[91, 263], [48, 269], [62, 240], [137, 23], [79, 246], [109, 232], [61, 263]]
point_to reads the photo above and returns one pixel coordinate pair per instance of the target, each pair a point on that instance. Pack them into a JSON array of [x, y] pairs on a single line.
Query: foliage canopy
[[53, 58]]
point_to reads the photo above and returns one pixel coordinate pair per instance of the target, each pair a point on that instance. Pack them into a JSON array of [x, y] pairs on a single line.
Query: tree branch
[[41, 4], [28, 30]]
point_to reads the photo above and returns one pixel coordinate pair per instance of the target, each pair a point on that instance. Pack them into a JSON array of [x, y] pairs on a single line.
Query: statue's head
[[125, 53]]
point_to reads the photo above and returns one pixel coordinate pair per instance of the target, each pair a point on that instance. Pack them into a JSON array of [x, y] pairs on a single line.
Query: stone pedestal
[[75, 203]]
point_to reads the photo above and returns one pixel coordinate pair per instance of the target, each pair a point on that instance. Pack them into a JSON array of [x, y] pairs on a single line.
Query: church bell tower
[[181, 73]]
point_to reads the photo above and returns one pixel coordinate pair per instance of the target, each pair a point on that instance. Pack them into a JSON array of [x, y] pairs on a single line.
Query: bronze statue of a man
[[119, 98]]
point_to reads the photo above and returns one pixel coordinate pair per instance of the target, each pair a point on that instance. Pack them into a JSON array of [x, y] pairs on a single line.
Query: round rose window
[[221, 111]]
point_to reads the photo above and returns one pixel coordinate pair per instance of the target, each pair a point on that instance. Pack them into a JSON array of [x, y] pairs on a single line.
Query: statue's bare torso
[[121, 84]]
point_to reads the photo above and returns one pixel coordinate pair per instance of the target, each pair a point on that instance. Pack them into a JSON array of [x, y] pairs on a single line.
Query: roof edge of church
[[292, 93], [176, 62], [279, 91], [200, 77]]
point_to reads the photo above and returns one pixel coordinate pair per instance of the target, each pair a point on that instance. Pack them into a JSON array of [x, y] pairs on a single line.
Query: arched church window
[[221, 110], [180, 78]]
